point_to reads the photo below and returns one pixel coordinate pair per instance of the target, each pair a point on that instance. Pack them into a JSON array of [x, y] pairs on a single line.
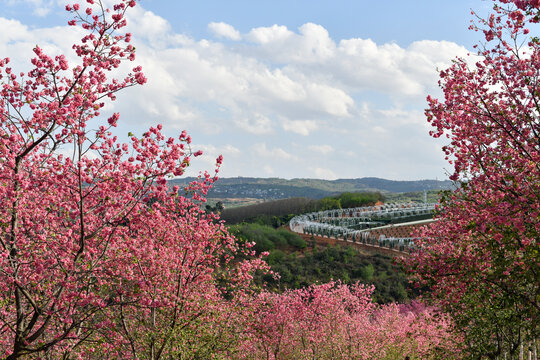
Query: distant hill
[[276, 188]]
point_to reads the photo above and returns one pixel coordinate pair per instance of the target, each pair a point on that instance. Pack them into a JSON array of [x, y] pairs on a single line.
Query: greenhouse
[[380, 225]]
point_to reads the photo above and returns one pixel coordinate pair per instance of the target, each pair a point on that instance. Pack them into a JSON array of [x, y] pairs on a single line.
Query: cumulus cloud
[[273, 34], [276, 153], [298, 81], [223, 30], [40, 8], [321, 149], [207, 161], [273, 85], [311, 44], [211, 152], [402, 116], [301, 127], [215, 151], [17, 32], [268, 170], [256, 124], [17, 41], [324, 173]]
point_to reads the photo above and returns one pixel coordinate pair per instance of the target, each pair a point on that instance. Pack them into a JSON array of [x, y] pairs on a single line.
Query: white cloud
[[223, 30], [268, 170], [13, 31], [215, 151], [317, 42], [379, 129], [275, 153], [270, 86], [301, 127], [207, 161], [256, 124], [272, 34], [230, 149], [40, 8], [303, 80], [312, 44], [331, 100], [323, 173], [402, 116], [321, 149]]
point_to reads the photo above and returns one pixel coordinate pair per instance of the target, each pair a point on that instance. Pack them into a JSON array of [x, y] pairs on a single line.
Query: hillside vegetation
[[279, 212], [300, 263], [275, 188]]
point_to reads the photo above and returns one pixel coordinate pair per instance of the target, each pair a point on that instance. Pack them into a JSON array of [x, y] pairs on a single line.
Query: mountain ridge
[[278, 188]]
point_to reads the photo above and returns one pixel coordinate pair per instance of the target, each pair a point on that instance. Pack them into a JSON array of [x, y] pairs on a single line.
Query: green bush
[[266, 237], [367, 272], [350, 200], [328, 204], [263, 245], [275, 257], [297, 242]]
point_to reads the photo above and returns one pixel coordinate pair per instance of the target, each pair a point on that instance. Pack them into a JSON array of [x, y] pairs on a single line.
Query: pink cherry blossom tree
[[482, 258], [98, 257], [338, 321]]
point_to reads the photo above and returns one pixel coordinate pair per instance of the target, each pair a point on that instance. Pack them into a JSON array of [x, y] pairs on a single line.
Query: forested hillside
[[301, 263], [275, 188], [284, 209]]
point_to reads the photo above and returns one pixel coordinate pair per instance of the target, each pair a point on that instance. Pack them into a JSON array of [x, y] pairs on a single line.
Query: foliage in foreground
[[111, 263], [481, 259], [336, 321]]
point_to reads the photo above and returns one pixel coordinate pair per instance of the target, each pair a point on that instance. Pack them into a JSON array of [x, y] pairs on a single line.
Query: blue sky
[[311, 89]]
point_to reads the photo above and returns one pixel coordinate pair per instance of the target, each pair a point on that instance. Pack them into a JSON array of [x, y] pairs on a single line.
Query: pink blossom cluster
[[98, 256], [481, 258], [337, 321]]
